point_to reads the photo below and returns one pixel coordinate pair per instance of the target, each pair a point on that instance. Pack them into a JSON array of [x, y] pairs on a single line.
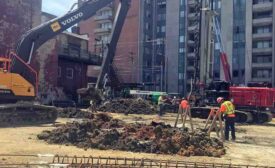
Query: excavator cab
[[4, 64]]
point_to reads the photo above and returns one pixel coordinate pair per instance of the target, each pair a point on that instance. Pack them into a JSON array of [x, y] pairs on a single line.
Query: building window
[[106, 13], [180, 76], [262, 59], [261, 1], [235, 73], [261, 73], [163, 29], [181, 50], [182, 13], [69, 73], [262, 44], [262, 29], [107, 25], [181, 39], [219, 4], [260, 15], [59, 72]]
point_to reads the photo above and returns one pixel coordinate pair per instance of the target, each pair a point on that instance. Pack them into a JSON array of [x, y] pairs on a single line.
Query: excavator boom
[[30, 42]]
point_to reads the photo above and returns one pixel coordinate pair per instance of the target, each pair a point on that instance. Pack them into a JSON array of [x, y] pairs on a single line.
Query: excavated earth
[[74, 113], [103, 132], [128, 106]]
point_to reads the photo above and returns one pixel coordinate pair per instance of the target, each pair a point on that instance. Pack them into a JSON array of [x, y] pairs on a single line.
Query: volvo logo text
[[72, 19]]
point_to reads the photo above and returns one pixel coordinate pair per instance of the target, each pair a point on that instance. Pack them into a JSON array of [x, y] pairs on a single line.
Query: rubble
[[104, 132], [74, 113], [128, 106]]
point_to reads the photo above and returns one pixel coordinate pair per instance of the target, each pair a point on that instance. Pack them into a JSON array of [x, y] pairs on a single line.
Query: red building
[[99, 28], [73, 60], [16, 17]]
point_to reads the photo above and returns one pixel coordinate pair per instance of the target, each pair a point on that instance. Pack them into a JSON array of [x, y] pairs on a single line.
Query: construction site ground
[[255, 144]]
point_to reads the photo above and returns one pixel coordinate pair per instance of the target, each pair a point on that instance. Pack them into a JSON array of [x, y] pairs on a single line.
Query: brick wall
[[126, 59], [16, 17]]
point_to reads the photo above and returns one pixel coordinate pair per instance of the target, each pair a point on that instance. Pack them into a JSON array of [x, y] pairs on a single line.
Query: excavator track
[[26, 114], [242, 116]]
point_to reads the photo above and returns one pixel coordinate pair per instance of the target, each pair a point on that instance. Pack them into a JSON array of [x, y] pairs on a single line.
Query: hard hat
[[183, 98], [219, 99], [175, 97]]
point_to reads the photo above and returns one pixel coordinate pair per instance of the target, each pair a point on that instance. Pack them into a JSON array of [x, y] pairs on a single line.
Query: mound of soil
[[104, 132], [128, 106]]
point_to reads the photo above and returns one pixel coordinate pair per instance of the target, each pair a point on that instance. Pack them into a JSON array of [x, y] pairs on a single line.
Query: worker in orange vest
[[228, 110], [184, 103]]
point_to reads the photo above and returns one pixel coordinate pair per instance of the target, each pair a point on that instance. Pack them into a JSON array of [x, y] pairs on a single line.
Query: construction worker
[[184, 103], [161, 101], [228, 110]]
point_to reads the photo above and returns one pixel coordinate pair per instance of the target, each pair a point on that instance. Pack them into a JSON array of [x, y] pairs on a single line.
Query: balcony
[[258, 51], [262, 36], [262, 65], [78, 55], [262, 21], [102, 30], [191, 42], [103, 18], [192, 2], [258, 79], [192, 16], [191, 55], [190, 68], [262, 7], [192, 28]]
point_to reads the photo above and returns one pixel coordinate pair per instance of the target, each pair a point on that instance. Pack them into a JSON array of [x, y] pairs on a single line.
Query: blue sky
[[57, 7]]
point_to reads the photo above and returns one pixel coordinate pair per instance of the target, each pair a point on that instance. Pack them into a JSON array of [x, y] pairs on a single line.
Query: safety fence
[[109, 162]]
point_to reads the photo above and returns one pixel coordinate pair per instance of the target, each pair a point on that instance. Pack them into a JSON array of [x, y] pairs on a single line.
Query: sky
[[57, 7]]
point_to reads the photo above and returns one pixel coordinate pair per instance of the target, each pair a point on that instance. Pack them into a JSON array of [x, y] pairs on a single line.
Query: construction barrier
[[109, 162]]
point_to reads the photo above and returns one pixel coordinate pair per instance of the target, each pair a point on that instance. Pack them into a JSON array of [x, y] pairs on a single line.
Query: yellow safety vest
[[230, 109], [160, 100]]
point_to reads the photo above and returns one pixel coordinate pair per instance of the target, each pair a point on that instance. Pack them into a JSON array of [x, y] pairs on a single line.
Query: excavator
[[19, 81]]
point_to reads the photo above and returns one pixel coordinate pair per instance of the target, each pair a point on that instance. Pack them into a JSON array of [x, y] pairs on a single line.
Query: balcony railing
[[262, 21], [102, 30], [79, 55], [103, 17], [262, 7], [262, 36]]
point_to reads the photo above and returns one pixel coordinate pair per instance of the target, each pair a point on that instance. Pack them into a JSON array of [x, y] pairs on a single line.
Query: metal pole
[[102, 48], [161, 77]]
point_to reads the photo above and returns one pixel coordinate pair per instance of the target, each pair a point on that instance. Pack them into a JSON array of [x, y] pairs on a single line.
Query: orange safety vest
[[184, 104]]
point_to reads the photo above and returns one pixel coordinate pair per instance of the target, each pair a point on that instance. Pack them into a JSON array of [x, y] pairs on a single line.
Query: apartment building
[[247, 28], [99, 28], [260, 40], [162, 52]]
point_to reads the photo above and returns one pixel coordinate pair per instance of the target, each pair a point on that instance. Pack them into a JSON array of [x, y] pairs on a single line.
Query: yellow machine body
[[13, 86]]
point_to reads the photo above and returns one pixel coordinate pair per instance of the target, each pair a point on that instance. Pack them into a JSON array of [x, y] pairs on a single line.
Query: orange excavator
[[19, 81]]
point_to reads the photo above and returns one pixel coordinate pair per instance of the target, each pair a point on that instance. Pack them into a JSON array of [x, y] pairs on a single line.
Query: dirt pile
[[128, 106], [103, 132], [74, 113]]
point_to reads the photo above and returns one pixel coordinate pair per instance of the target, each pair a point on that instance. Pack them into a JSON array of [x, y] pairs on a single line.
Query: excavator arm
[[37, 36]]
